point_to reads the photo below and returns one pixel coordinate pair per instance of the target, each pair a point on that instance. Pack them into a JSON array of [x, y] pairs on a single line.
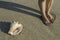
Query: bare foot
[[51, 17], [46, 21]]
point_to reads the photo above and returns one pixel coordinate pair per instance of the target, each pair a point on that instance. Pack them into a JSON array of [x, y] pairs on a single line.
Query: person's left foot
[[48, 23], [52, 17]]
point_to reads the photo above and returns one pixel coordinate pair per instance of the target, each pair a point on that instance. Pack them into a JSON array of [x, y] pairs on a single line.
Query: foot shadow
[[5, 26], [19, 8]]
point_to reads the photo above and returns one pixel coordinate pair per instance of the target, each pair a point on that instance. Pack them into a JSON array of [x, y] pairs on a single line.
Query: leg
[[48, 8], [42, 5]]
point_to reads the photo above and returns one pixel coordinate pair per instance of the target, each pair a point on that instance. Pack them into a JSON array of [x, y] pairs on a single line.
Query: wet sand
[[27, 12]]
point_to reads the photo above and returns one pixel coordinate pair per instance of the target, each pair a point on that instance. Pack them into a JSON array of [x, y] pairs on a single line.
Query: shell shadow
[[5, 26]]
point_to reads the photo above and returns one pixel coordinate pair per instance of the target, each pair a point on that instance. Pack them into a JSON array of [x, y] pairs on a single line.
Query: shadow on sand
[[18, 8], [4, 26]]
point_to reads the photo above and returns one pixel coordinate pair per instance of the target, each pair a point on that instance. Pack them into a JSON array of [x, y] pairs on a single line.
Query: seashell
[[15, 28]]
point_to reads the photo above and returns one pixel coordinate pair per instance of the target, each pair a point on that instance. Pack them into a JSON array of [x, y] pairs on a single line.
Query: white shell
[[13, 29]]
